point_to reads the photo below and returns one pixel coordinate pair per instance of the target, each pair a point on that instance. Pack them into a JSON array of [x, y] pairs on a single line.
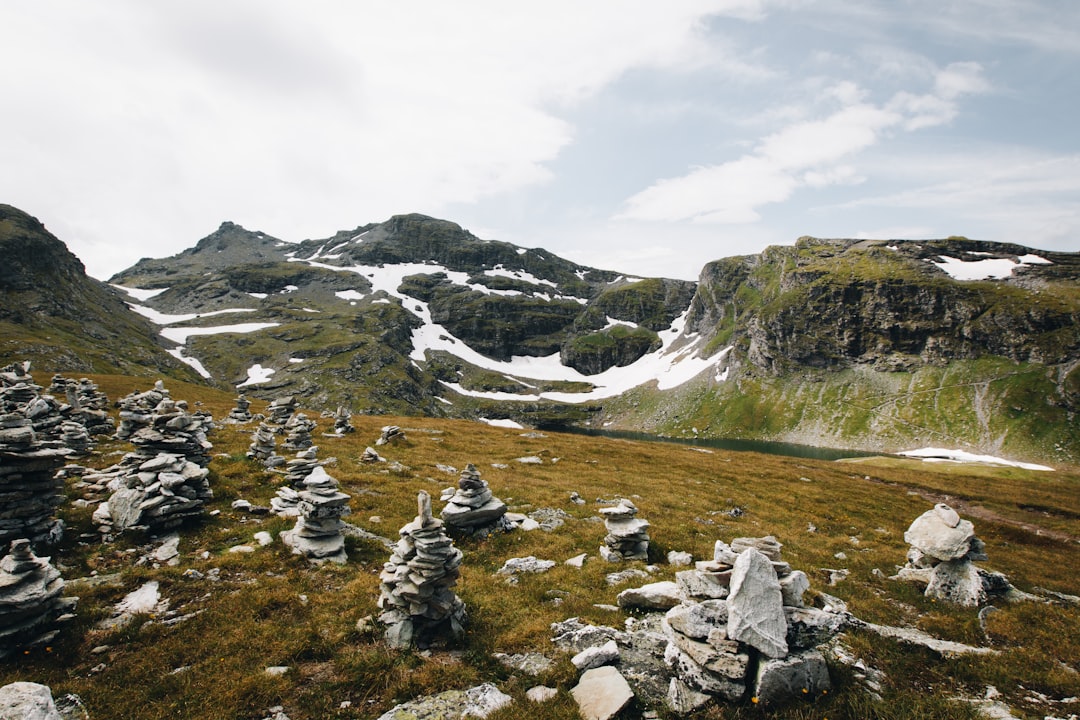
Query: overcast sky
[[631, 135]]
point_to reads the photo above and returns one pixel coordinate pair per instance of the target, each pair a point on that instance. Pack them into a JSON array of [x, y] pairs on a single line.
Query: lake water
[[760, 446]]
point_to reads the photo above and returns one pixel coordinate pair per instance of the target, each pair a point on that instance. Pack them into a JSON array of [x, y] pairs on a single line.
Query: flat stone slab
[[601, 693], [755, 605]]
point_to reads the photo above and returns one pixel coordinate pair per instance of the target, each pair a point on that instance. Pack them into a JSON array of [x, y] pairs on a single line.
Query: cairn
[[163, 482], [29, 490], [942, 557], [417, 602], [75, 437], [137, 409], [390, 434], [86, 404], [298, 432], [473, 508], [317, 534], [760, 638], [286, 502], [280, 410], [30, 599], [343, 421], [628, 536], [263, 446], [241, 413]]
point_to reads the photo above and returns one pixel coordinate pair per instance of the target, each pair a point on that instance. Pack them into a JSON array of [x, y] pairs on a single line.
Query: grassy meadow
[[250, 611]]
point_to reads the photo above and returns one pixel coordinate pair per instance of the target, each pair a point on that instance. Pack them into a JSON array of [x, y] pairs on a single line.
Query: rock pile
[[473, 507], [242, 412], [86, 404], [941, 557], [136, 409], [343, 421], [390, 434], [280, 410], [75, 438], [173, 430], [417, 602], [29, 490], [264, 446], [317, 534], [298, 431], [30, 599], [287, 501], [760, 638], [628, 536]]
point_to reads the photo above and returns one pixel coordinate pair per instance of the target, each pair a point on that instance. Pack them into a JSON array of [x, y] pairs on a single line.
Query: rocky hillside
[[53, 314], [882, 344]]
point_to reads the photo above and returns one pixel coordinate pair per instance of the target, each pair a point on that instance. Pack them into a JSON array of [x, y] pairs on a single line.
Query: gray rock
[[654, 596], [698, 620], [702, 585], [684, 699], [601, 693], [956, 581], [528, 663], [755, 605], [528, 564], [792, 588], [675, 557], [479, 701], [701, 679], [594, 657], [27, 701], [933, 535], [798, 675], [541, 693]]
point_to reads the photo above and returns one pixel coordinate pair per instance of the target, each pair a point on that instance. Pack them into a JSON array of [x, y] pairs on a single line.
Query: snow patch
[[350, 295], [987, 269], [160, 318], [289, 289], [612, 322], [500, 271], [178, 353], [311, 310], [179, 335], [139, 293], [503, 423], [260, 296], [296, 360], [257, 375], [963, 456]]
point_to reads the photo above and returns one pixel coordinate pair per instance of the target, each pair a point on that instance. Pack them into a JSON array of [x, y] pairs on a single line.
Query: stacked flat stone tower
[[317, 535], [628, 536], [30, 599], [416, 597], [242, 412], [472, 507]]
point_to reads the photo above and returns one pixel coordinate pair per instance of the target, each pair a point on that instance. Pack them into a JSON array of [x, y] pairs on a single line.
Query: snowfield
[[963, 456]]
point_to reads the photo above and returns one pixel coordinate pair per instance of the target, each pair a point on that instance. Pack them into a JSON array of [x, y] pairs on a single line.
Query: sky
[[644, 137]]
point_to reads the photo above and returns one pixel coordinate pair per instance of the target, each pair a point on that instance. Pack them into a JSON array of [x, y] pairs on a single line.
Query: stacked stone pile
[[298, 431], [286, 502], [30, 599], [86, 404], [280, 410], [390, 434], [317, 534], [29, 490], [759, 639], [264, 447], [416, 597], [628, 536], [343, 421], [164, 481], [241, 413], [137, 409], [941, 557], [75, 437], [473, 507]]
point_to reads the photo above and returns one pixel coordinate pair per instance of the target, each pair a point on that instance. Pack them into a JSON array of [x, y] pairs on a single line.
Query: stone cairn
[[473, 508], [86, 404], [241, 413], [743, 628], [628, 536], [317, 534], [298, 431], [30, 599], [280, 410], [137, 409], [343, 421], [163, 482], [264, 446], [390, 434], [941, 557], [30, 492], [417, 602], [286, 502]]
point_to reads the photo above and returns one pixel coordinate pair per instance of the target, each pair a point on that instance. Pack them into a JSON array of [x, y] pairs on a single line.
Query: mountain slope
[[885, 345], [53, 314]]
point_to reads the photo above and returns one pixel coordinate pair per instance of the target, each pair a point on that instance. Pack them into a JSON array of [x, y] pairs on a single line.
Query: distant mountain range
[[847, 343]]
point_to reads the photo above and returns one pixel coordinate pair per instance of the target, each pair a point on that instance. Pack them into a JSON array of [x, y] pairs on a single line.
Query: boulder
[[755, 605], [602, 693], [654, 596], [933, 534], [802, 674], [479, 702], [27, 701]]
